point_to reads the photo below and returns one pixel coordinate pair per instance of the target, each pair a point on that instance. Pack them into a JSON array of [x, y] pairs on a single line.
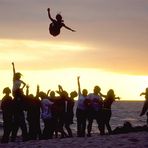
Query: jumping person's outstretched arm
[[68, 28], [48, 9]]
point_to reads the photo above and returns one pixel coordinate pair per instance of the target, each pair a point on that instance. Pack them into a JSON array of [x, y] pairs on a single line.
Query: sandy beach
[[130, 140]]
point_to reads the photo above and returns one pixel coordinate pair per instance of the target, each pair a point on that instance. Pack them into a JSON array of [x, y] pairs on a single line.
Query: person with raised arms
[[57, 24]]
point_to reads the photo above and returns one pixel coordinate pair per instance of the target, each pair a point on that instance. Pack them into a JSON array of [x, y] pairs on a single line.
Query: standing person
[[58, 111], [107, 102], [145, 105], [81, 110], [18, 84], [61, 103], [57, 24], [19, 120], [68, 116], [55, 110], [46, 115], [94, 110], [62, 118], [19, 106], [6, 107], [33, 115], [73, 94]]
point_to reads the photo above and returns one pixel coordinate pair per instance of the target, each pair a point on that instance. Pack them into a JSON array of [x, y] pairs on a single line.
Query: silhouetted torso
[[6, 107]]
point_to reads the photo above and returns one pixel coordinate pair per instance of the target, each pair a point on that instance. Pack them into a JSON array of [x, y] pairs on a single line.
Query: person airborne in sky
[[57, 24]]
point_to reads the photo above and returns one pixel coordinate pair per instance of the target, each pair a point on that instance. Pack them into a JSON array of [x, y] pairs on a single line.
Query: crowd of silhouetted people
[[56, 109]]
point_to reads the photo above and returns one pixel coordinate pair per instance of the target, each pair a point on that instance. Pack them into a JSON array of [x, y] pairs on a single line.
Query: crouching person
[[46, 115]]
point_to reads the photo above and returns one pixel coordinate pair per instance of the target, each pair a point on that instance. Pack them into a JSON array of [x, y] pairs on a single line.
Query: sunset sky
[[109, 47]]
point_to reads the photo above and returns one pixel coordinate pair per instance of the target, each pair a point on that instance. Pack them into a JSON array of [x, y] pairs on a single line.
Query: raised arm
[[48, 92], [13, 69], [37, 91], [27, 90], [68, 28], [79, 87], [48, 10], [60, 90]]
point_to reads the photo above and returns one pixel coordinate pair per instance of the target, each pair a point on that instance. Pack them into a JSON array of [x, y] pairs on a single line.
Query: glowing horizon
[[127, 87], [38, 66]]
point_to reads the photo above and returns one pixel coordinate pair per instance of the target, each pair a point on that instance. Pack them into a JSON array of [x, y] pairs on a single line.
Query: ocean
[[121, 111]]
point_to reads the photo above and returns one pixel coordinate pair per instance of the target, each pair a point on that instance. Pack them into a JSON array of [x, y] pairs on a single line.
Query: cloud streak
[[111, 34]]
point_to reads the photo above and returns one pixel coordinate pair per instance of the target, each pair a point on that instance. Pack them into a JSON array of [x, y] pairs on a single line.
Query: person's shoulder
[[44, 100], [10, 98], [54, 21], [90, 94], [7, 98], [50, 102], [80, 96]]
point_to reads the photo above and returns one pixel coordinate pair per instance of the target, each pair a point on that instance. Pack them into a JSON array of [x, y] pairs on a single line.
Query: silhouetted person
[[18, 84], [33, 115], [94, 110], [126, 128], [68, 116], [107, 102], [19, 107], [55, 110], [46, 115], [73, 94], [145, 105], [81, 110], [61, 105], [6, 106], [57, 24]]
